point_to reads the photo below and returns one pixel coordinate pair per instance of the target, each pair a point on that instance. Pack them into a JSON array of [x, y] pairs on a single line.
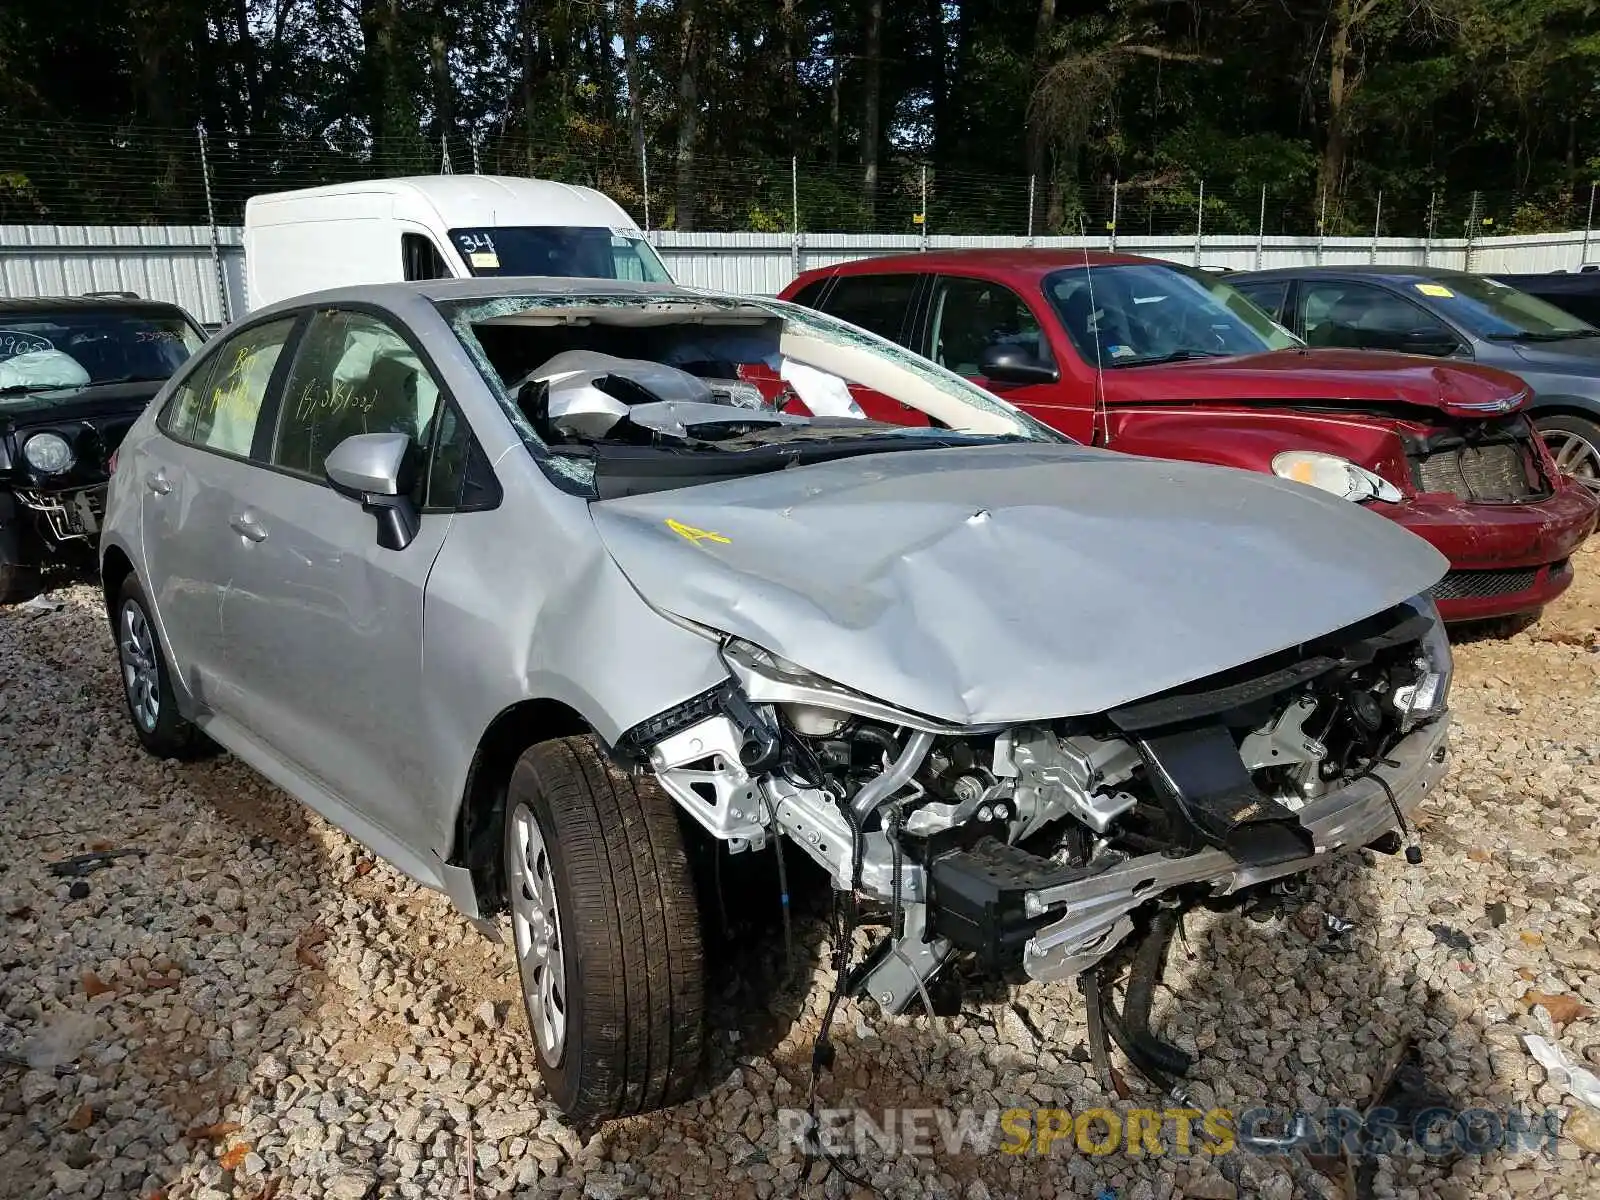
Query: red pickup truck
[[1149, 357]]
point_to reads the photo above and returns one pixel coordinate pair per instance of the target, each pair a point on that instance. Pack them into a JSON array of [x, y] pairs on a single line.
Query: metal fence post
[[211, 220], [794, 216], [1199, 221], [924, 207], [1261, 227], [644, 172], [1427, 241], [1033, 181], [1377, 224], [1472, 231], [1322, 224], [1588, 222], [1116, 204], [444, 156], [477, 166]]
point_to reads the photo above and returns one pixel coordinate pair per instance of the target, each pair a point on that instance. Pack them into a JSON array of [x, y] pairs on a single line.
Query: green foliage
[[1439, 98]]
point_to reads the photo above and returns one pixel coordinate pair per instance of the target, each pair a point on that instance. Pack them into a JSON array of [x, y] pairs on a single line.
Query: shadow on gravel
[[1283, 1014]]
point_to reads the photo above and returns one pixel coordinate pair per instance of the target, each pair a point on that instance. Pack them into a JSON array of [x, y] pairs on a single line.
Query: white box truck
[[437, 227]]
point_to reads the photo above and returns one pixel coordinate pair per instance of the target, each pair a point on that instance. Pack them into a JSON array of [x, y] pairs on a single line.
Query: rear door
[[882, 304], [967, 316], [189, 479]]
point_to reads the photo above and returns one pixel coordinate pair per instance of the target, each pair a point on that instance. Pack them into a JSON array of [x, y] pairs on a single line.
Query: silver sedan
[[531, 585]]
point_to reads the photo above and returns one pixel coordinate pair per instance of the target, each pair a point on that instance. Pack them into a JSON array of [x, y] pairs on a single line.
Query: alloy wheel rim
[[137, 649], [536, 928], [1575, 457]]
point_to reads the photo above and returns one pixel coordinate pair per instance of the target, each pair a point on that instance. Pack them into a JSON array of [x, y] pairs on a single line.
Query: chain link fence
[[82, 174]]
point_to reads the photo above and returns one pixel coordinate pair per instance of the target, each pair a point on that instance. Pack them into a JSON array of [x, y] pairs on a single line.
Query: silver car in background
[[530, 584]]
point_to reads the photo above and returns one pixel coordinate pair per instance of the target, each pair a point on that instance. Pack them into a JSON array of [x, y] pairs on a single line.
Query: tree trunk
[[1038, 136], [1330, 176], [444, 109], [688, 111], [788, 28], [628, 17], [833, 106], [938, 78], [872, 97]]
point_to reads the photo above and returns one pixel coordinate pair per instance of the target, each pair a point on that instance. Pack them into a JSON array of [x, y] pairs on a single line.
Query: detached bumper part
[[1096, 908]]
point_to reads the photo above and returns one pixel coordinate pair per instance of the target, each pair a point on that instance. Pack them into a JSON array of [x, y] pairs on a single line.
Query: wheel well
[[477, 837], [1565, 410], [114, 568]]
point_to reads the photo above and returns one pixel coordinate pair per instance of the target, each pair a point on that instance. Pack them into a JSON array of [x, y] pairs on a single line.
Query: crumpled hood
[[1008, 583], [1356, 377]]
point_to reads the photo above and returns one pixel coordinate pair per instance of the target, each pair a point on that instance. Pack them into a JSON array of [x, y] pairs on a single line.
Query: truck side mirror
[[1004, 362]]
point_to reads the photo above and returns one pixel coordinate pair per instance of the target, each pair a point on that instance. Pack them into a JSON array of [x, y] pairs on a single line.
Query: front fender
[[1249, 439]]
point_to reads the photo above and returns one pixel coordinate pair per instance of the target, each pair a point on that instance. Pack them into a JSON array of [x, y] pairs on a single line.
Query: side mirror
[[1006, 363], [374, 468], [1428, 341]]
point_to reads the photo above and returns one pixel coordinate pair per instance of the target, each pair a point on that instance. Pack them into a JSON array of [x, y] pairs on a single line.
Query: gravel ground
[[256, 1008]]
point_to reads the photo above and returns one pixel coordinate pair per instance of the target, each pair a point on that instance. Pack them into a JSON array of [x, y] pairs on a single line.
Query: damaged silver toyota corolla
[[538, 586]]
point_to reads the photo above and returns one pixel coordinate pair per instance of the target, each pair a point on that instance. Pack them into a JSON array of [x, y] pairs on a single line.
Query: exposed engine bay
[[1055, 846]]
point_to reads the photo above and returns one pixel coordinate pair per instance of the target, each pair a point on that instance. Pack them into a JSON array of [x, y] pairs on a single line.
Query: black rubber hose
[[1149, 961]]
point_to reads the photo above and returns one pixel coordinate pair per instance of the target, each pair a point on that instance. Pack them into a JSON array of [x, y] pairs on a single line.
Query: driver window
[[421, 258], [353, 374], [970, 315], [1361, 317]]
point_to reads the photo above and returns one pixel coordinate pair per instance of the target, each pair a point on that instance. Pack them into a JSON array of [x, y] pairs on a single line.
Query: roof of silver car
[[493, 288]]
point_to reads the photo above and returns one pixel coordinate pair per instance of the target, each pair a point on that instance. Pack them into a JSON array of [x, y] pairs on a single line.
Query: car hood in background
[[1361, 378], [95, 399], [1008, 583], [1571, 356]]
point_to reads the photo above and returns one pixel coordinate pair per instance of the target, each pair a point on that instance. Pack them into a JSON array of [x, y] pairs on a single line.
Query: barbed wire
[[81, 173]]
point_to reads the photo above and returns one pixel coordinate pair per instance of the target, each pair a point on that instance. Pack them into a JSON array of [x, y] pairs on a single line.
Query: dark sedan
[[74, 374], [1451, 314]]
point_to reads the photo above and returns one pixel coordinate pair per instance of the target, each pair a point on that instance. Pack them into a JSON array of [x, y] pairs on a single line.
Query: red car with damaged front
[[1150, 357]]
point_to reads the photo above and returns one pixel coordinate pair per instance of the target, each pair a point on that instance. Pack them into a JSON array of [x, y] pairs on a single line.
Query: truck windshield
[[1137, 314], [566, 251]]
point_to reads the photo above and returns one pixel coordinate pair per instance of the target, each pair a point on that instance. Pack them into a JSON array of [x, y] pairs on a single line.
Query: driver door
[[968, 316], [322, 626]]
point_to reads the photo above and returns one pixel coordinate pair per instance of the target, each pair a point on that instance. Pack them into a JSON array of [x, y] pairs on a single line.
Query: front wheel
[[607, 932], [1574, 443]]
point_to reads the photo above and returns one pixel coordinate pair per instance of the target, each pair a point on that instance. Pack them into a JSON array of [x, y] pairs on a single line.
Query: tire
[[1574, 443], [617, 1014], [147, 681]]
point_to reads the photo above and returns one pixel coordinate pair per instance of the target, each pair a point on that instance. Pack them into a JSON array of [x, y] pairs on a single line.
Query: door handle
[[158, 482], [247, 527]]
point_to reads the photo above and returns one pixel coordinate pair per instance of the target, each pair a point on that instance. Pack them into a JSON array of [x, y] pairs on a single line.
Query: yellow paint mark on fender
[[694, 535]]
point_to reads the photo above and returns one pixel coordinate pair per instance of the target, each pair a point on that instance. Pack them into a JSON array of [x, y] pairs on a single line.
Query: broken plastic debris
[[54, 1047], [44, 603], [1582, 1083], [826, 395]]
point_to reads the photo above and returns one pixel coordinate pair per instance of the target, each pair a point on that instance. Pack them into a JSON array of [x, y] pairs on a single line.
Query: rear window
[[877, 303]]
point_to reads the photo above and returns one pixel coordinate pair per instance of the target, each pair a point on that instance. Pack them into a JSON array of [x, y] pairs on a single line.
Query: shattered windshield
[[597, 376], [46, 351], [565, 251], [1138, 314]]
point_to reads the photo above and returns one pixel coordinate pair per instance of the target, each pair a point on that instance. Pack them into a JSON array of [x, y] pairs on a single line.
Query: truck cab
[[437, 227]]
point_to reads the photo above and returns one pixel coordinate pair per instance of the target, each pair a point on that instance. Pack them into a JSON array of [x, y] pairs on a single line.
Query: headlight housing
[[1429, 696], [49, 453], [1334, 474], [814, 705]]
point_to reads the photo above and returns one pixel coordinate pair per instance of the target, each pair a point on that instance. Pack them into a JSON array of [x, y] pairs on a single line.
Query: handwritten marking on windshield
[[690, 533]]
